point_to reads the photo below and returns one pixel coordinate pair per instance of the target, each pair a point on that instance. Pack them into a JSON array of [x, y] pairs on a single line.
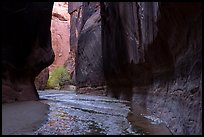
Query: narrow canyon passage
[[124, 68], [75, 114]]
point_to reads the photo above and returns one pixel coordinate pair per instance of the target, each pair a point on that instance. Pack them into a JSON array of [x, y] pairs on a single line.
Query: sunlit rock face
[[152, 52], [26, 47], [60, 29], [60, 34], [86, 22]]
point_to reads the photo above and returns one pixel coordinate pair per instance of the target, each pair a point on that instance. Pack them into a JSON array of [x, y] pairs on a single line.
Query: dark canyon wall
[[85, 38], [26, 47], [75, 11], [152, 51], [150, 54]]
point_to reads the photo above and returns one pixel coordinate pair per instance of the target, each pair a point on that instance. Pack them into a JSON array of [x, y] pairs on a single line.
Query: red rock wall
[[60, 28]]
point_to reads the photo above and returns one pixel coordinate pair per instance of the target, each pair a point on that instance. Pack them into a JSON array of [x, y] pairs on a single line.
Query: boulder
[[41, 79]]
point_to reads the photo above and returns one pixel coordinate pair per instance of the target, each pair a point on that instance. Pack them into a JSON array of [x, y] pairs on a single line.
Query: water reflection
[[72, 114]]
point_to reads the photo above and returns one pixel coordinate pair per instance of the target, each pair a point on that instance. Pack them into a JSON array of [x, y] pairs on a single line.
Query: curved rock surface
[[152, 51], [89, 63], [26, 47], [86, 42]]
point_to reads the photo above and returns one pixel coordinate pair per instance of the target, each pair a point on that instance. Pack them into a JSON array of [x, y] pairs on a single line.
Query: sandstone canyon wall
[[86, 41], [60, 27], [41, 79], [75, 11], [152, 51], [60, 34], [26, 47], [147, 52]]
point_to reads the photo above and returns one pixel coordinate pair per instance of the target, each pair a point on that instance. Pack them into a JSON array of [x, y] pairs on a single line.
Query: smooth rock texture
[[26, 47], [75, 11], [152, 51], [88, 62]]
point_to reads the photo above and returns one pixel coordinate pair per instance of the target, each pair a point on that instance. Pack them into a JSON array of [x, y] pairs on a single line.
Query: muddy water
[[73, 114]]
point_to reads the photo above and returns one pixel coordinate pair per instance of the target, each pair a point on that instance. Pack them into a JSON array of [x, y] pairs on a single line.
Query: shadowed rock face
[[41, 79], [26, 47], [89, 63], [87, 27], [152, 51], [75, 11]]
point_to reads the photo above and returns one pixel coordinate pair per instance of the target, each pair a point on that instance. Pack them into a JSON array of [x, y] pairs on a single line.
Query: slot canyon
[[135, 68]]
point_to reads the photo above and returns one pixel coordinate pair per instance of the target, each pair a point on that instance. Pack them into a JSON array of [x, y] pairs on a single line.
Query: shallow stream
[[77, 114]]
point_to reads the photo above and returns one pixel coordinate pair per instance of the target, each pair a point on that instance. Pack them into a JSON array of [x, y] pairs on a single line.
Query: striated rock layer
[[86, 40], [75, 11], [152, 56], [26, 47]]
